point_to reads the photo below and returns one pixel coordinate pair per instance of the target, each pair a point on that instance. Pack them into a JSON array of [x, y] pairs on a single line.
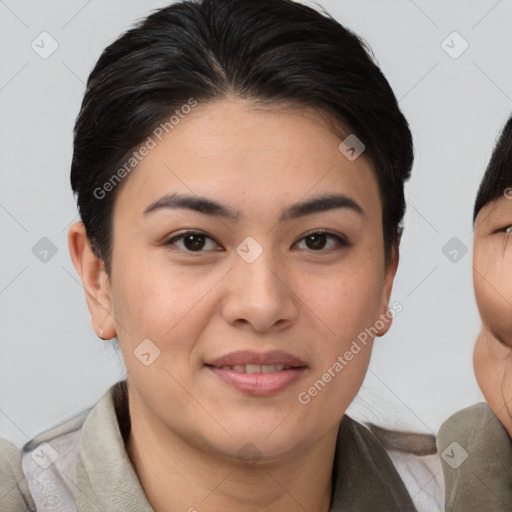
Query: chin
[[252, 445]]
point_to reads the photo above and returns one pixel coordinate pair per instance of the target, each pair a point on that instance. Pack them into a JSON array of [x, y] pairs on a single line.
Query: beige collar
[[364, 478], [106, 479]]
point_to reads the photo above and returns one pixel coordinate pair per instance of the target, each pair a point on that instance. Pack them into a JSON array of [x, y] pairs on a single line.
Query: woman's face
[[492, 279], [222, 331]]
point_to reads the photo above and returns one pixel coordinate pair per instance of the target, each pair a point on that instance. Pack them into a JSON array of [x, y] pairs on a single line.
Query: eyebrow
[[208, 206]]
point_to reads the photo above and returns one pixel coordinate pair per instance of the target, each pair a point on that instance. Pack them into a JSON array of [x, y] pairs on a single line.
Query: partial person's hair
[[272, 53], [417, 443], [498, 175]]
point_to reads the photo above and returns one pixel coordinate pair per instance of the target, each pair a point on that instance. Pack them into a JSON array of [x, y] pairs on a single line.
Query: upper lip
[[242, 357]]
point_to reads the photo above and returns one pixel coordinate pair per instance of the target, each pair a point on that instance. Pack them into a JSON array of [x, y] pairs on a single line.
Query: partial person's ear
[[95, 281], [389, 276]]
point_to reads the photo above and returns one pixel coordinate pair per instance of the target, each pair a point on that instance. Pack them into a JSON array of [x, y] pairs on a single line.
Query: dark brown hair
[[271, 51]]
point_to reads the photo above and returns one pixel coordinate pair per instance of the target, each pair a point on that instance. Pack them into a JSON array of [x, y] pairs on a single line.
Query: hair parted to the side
[[498, 175], [270, 52]]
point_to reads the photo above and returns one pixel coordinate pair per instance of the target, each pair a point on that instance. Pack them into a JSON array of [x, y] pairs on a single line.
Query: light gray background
[[51, 363]]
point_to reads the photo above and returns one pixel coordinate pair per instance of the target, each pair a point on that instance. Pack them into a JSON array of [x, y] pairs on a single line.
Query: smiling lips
[[257, 368], [259, 374]]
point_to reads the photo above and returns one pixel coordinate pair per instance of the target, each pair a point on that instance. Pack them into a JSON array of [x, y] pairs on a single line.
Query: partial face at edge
[[492, 278], [492, 268], [199, 299]]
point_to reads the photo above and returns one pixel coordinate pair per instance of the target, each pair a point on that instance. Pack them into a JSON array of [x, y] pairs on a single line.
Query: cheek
[[492, 277], [343, 305], [164, 306], [349, 302], [347, 307], [339, 311]]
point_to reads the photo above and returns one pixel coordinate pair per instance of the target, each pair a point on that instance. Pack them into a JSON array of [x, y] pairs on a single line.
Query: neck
[[179, 475]]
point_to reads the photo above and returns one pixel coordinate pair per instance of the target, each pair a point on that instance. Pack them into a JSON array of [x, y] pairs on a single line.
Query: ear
[[389, 277], [95, 281]]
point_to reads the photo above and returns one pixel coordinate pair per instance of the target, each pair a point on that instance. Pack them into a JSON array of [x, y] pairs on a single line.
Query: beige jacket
[[14, 493], [82, 466]]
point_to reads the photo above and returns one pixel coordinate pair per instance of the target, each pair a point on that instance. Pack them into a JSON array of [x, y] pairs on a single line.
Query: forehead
[[234, 150]]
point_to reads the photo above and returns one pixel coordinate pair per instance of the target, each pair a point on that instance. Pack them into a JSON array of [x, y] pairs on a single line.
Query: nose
[[259, 295]]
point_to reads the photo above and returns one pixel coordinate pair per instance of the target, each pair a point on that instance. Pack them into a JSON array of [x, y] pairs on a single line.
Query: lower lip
[[259, 384]]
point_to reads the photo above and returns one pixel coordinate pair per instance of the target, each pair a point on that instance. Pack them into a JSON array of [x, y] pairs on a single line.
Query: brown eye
[[316, 242], [192, 241], [323, 241]]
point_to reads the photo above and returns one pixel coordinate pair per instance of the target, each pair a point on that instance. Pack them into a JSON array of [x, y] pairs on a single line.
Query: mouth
[[258, 374], [256, 368]]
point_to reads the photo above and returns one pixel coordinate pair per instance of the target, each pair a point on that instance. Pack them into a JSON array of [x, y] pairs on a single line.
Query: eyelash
[[503, 229], [340, 240]]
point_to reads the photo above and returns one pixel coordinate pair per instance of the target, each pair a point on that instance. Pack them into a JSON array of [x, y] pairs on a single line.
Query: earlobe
[[384, 323], [95, 281]]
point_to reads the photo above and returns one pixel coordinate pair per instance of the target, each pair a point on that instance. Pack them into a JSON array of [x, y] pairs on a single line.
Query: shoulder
[[474, 417], [9, 458], [62, 435], [51, 460], [49, 464], [476, 454], [14, 493], [57, 442], [474, 431], [58, 431]]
